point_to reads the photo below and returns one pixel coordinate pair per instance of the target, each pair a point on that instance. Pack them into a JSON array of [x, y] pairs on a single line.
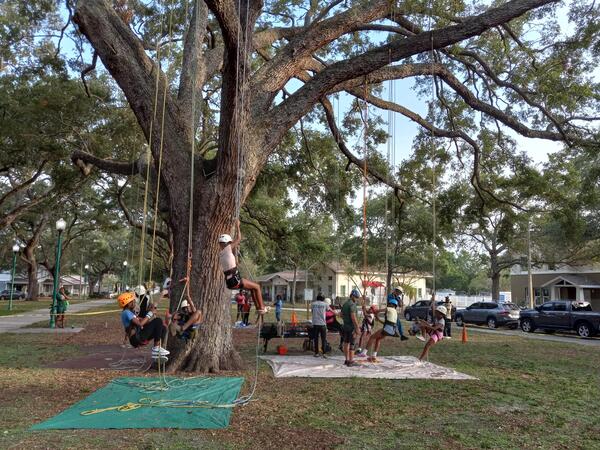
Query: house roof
[[287, 275], [575, 280]]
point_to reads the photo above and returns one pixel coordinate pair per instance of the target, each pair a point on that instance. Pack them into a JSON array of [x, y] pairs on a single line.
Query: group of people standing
[[369, 341]]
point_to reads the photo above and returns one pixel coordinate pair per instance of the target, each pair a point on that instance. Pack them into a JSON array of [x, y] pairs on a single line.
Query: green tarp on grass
[[131, 389]]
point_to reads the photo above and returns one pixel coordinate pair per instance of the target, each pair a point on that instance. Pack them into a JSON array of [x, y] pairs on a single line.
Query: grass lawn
[[530, 394]]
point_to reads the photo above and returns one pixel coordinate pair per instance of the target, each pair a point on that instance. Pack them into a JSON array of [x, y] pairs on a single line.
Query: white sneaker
[[447, 337], [160, 351], [421, 338]]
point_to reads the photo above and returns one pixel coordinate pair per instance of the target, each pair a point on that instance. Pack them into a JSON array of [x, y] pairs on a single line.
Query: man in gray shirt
[[319, 308]]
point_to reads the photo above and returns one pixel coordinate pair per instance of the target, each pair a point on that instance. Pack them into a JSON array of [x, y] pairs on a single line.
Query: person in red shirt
[[239, 299], [246, 306]]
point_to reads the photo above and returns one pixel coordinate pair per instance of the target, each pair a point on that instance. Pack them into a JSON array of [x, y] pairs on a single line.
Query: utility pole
[[529, 264]]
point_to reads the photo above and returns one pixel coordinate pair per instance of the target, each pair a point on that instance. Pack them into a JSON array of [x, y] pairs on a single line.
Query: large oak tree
[[245, 54]]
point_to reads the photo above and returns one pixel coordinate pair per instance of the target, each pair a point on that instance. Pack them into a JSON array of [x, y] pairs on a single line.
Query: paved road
[[9, 324], [569, 339]]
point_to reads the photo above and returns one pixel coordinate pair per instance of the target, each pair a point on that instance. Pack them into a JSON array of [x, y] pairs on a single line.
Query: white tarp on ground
[[392, 367]]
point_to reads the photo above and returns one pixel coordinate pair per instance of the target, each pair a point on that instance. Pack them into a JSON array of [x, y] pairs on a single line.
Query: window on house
[[330, 278], [540, 295], [419, 292], [330, 289], [319, 278], [343, 290]]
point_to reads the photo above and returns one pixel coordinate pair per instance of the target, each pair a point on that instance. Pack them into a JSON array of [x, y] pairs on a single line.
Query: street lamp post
[[124, 275], [60, 227], [15, 250], [86, 279]]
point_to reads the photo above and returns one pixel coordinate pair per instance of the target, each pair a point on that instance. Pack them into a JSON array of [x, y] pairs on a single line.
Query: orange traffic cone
[[464, 334], [294, 319]]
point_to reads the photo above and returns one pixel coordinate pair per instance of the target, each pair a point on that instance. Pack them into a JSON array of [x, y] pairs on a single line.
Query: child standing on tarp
[[435, 330], [229, 265]]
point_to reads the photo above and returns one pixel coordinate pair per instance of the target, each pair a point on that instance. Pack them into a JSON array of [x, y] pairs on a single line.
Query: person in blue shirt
[[140, 330], [278, 307]]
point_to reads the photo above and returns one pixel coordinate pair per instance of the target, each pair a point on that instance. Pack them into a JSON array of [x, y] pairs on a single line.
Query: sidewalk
[[9, 324]]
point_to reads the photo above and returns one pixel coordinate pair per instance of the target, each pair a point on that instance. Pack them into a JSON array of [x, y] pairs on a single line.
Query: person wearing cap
[[435, 330], [143, 300], [140, 330], [390, 328], [399, 296], [229, 265], [350, 327], [187, 317], [319, 324], [448, 321]]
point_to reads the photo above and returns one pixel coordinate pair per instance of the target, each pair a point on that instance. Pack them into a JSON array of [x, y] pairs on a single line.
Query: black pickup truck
[[562, 315]]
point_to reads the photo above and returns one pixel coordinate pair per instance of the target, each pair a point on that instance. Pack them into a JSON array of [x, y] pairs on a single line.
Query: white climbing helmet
[[140, 290], [328, 301], [442, 309], [225, 239], [184, 303]]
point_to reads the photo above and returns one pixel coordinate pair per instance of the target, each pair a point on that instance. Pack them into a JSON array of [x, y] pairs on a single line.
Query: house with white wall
[[336, 281]]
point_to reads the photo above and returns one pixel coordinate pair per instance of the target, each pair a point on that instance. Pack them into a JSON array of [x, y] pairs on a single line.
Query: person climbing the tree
[[390, 328], [435, 330], [366, 329], [143, 300], [233, 279], [187, 317], [140, 331], [62, 304]]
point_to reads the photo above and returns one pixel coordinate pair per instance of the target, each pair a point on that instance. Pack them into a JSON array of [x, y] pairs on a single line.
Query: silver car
[[490, 313]]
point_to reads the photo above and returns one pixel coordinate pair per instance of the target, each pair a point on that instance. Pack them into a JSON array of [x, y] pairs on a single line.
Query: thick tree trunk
[[294, 281], [212, 350], [33, 288], [495, 286]]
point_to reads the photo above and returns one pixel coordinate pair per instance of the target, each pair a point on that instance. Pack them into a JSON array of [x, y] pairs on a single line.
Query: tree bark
[[33, 288], [294, 281]]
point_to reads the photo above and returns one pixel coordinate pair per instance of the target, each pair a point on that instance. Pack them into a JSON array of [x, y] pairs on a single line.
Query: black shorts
[[348, 336], [233, 279]]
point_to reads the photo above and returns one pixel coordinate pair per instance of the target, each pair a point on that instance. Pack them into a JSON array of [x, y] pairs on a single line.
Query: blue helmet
[[391, 297], [392, 301], [355, 293]]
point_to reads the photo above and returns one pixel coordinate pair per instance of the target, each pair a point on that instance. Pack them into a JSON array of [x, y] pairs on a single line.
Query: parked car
[[17, 295], [419, 310], [490, 313], [562, 315]]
